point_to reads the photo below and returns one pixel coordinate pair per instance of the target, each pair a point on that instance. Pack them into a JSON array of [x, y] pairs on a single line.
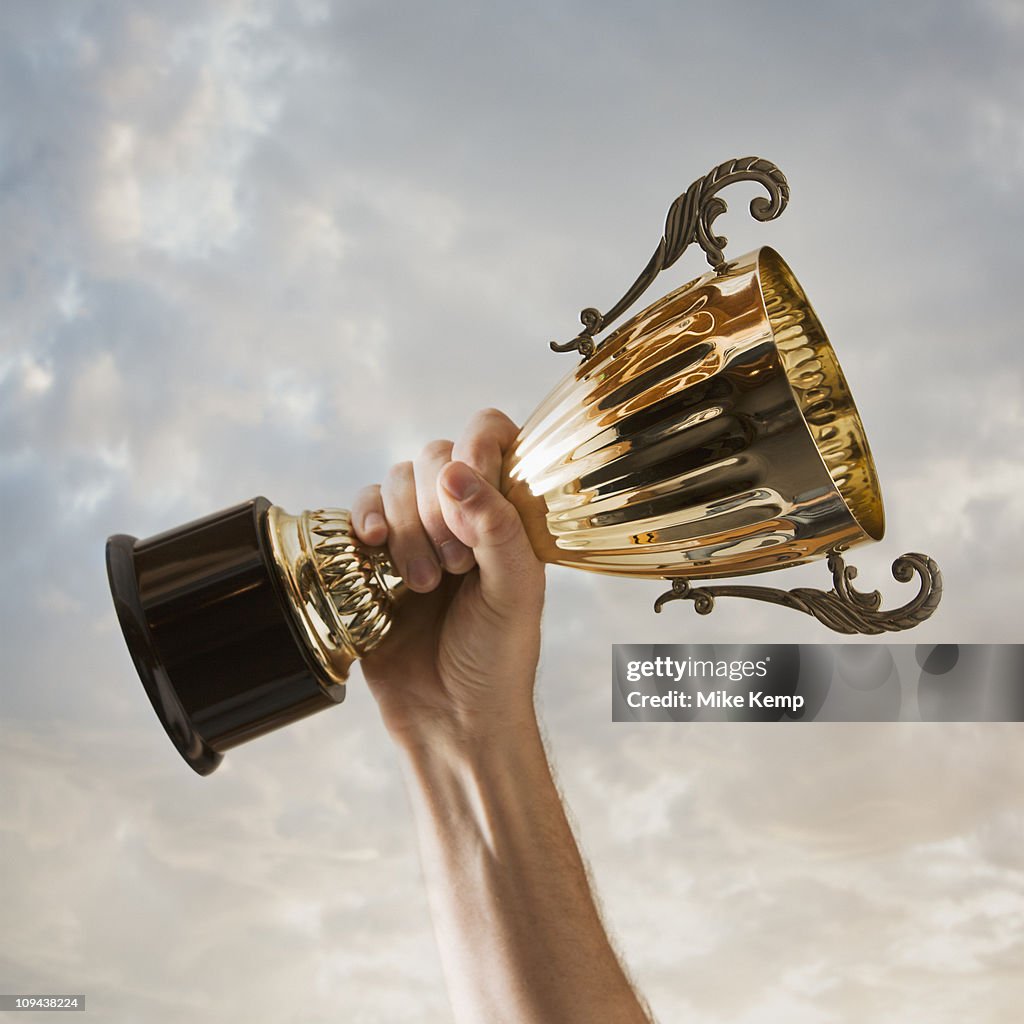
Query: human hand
[[461, 659]]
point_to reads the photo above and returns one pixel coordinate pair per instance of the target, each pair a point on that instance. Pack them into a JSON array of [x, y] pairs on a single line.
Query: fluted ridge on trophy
[[340, 594], [695, 442], [815, 376], [352, 578]]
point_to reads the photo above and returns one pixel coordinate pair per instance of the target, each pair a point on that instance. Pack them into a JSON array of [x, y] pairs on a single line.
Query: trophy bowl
[[711, 435]]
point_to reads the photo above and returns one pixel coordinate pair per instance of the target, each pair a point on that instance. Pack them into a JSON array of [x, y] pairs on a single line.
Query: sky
[[271, 248]]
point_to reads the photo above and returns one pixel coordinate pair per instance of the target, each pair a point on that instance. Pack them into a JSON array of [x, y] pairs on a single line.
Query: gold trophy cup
[[712, 435]]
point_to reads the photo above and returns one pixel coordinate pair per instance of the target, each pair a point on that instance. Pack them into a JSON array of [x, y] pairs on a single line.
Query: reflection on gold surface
[[711, 435], [822, 392], [340, 594]]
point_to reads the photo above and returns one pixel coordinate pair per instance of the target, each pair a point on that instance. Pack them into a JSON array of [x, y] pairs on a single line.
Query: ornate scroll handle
[[843, 608], [690, 219]]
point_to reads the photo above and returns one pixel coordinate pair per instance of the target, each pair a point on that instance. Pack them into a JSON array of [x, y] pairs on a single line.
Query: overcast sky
[[270, 248]]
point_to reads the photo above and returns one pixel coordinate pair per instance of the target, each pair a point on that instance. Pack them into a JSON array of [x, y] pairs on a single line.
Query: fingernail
[[422, 574], [460, 481], [373, 523], [456, 556]]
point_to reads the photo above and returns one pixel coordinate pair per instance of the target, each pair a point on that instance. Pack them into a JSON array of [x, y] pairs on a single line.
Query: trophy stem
[[843, 608], [341, 594]]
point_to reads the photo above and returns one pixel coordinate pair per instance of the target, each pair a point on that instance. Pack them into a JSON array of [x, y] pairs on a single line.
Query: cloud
[[271, 248]]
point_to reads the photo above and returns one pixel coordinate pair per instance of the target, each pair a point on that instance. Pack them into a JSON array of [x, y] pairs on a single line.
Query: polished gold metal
[[711, 435], [341, 594]]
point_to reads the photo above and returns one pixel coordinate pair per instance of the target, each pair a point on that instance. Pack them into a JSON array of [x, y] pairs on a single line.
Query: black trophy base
[[211, 634]]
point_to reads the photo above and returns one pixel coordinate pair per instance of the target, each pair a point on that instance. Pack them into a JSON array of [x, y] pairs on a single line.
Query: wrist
[[467, 734], [475, 792]]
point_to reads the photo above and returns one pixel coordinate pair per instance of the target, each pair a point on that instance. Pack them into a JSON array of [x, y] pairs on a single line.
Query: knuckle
[[492, 415], [435, 451], [483, 421], [403, 540], [477, 450], [499, 523], [405, 525], [488, 431], [368, 495], [434, 524], [398, 474]]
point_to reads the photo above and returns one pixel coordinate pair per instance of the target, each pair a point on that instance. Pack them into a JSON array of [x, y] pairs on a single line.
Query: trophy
[[711, 435]]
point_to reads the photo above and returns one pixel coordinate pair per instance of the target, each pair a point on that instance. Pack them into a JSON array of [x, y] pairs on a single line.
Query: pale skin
[[520, 937]]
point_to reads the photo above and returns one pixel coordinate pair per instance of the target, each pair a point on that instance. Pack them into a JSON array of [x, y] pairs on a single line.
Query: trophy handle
[[843, 608], [690, 219]]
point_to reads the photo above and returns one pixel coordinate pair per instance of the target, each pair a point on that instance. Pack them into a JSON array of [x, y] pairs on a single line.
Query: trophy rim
[[177, 723], [871, 517]]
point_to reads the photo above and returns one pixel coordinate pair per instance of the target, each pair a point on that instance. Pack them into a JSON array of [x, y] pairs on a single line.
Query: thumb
[[483, 519]]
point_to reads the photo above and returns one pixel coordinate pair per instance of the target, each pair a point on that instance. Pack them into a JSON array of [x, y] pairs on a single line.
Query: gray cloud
[[270, 248]]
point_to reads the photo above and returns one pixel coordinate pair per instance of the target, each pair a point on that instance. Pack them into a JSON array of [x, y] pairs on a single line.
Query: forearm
[[520, 937]]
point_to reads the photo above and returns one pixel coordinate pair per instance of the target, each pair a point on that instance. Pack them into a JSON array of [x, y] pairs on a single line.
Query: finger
[[483, 519], [488, 437], [451, 552], [410, 548], [368, 522]]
